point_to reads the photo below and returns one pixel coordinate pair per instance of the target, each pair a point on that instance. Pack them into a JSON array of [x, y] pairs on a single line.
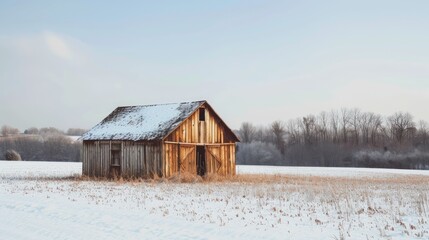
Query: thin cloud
[[58, 45]]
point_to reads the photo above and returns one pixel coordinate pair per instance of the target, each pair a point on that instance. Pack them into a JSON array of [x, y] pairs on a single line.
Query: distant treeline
[[348, 137], [44, 144]]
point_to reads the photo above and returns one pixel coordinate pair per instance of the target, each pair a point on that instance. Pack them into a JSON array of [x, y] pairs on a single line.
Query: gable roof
[[147, 122]]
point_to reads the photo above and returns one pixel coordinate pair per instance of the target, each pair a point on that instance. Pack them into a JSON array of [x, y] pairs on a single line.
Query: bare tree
[[423, 133], [364, 127], [322, 125], [344, 121], [355, 120], [309, 127], [247, 132], [375, 125], [278, 130], [334, 122], [293, 132], [401, 124], [8, 130]]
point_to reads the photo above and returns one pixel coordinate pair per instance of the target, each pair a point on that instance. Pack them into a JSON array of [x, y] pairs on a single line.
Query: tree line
[[346, 137], [40, 144]]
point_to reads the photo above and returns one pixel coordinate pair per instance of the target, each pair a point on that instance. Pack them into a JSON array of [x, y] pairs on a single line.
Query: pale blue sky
[[68, 64]]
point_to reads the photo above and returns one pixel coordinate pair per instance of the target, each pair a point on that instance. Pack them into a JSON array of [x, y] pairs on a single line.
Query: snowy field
[[41, 200], [328, 171], [38, 170]]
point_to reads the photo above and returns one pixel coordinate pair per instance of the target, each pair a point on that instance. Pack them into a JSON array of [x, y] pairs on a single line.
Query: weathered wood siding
[[192, 130], [96, 158], [141, 159], [138, 159]]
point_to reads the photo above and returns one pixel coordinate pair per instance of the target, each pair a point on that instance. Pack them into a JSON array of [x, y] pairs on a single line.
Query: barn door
[[213, 159], [188, 159]]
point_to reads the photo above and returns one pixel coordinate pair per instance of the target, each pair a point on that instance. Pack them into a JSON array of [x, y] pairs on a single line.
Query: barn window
[[116, 155], [202, 114]]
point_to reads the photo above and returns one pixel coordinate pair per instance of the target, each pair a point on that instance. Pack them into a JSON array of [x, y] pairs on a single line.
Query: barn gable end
[[210, 129]]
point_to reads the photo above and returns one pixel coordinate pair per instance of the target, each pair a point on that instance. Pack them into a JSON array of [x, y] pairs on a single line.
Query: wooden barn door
[[213, 159], [188, 159], [220, 159]]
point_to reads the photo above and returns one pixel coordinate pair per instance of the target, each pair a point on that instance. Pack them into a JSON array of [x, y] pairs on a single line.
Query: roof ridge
[[162, 104]]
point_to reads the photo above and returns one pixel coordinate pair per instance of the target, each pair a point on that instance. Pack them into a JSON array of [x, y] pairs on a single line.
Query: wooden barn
[[149, 140]]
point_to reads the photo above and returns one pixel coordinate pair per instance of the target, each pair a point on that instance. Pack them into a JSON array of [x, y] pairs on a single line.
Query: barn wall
[[141, 159], [95, 158], [138, 159], [192, 130]]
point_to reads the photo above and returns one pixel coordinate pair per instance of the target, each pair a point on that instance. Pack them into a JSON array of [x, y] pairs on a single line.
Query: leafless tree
[[309, 127], [422, 135], [334, 119], [355, 120], [293, 132], [322, 123], [278, 130], [247, 132], [344, 121], [8, 130], [400, 125]]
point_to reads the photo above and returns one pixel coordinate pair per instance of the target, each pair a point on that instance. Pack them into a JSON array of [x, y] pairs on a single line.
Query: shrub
[[12, 155]]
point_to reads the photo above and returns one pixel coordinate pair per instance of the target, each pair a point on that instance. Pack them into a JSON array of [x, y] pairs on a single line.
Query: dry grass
[[269, 179]]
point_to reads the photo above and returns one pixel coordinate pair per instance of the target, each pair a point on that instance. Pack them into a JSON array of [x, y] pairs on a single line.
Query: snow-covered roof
[[147, 122]]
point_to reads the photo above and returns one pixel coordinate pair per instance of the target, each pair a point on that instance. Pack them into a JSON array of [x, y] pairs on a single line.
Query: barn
[[160, 140]]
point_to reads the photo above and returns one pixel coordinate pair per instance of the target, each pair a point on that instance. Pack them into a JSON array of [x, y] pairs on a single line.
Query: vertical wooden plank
[[222, 159], [233, 161], [229, 160], [195, 129], [83, 158], [145, 160], [163, 160], [166, 163], [160, 162], [131, 158], [139, 165]]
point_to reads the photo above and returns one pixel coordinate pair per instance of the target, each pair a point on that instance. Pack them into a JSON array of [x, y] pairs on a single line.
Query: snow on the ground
[[328, 171], [296, 207], [33, 169]]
